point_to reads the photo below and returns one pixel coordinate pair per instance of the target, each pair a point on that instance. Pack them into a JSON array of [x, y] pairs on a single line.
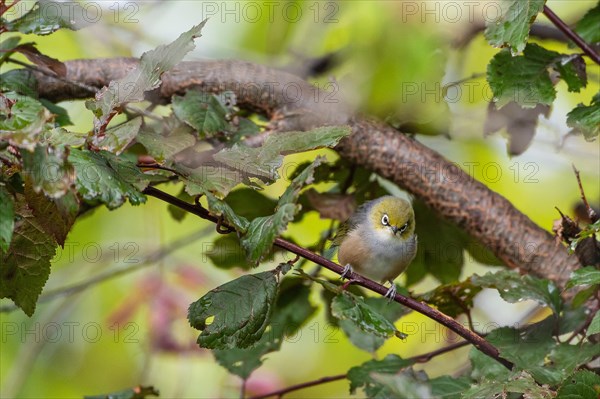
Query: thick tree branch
[[475, 339], [294, 104]]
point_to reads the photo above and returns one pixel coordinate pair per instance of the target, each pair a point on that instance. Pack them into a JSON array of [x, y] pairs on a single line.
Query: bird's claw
[[391, 293], [347, 270]]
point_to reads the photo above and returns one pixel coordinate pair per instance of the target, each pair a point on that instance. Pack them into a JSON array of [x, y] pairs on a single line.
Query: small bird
[[378, 240]]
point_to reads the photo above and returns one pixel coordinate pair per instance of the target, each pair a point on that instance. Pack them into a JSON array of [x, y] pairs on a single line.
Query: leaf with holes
[[235, 314]]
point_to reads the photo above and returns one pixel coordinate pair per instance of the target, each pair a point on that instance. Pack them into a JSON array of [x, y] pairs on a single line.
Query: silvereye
[[379, 240]]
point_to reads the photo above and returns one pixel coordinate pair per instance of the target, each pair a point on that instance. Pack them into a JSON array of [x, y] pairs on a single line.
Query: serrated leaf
[[583, 384], [239, 199], [572, 71], [378, 311], [26, 265], [27, 119], [240, 311], [523, 79], [262, 231], [55, 215], [221, 208], [587, 27], [484, 367], [58, 137], [139, 392], [347, 306], [205, 112], [146, 76], [522, 383], [452, 299], [292, 310], [446, 387], [588, 275], [511, 28], [48, 16], [163, 146], [585, 119], [7, 219], [103, 177], [264, 161], [515, 288], [117, 139], [48, 169], [534, 350], [360, 376]]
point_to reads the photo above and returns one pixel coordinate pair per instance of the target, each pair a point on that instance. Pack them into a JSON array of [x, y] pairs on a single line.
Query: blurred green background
[[393, 59]]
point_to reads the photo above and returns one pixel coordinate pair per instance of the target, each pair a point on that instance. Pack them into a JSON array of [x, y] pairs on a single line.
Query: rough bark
[[484, 214]]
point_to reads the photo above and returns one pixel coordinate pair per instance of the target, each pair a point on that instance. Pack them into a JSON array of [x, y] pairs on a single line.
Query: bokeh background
[[134, 271]]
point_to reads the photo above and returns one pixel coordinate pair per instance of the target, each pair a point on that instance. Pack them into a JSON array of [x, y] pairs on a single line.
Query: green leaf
[[264, 161], [350, 307], [48, 169], [452, 299], [588, 275], [146, 76], [514, 288], [511, 28], [521, 383], [163, 145], [484, 367], [219, 208], [582, 384], [27, 119], [7, 219], [523, 79], [408, 384], [205, 112], [441, 247], [55, 215], [262, 231], [227, 253], [21, 81], [61, 117], [103, 177], [361, 376], [594, 327], [59, 137], [381, 307], [139, 392], [26, 266], [534, 350], [49, 16], [446, 387], [585, 119], [587, 27], [261, 204], [572, 71], [292, 310], [118, 138], [235, 314]]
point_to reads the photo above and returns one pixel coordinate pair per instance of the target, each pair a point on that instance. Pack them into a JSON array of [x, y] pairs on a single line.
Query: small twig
[[423, 358], [480, 343], [571, 34], [590, 211], [279, 393], [586, 323]]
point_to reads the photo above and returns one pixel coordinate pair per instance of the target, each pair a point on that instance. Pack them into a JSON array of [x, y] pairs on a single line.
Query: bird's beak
[[394, 229]]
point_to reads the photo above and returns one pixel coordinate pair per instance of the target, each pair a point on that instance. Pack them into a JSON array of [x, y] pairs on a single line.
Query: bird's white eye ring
[[385, 220]]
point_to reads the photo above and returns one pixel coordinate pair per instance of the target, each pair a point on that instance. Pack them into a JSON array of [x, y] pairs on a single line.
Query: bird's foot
[[347, 270], [391, 293]]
